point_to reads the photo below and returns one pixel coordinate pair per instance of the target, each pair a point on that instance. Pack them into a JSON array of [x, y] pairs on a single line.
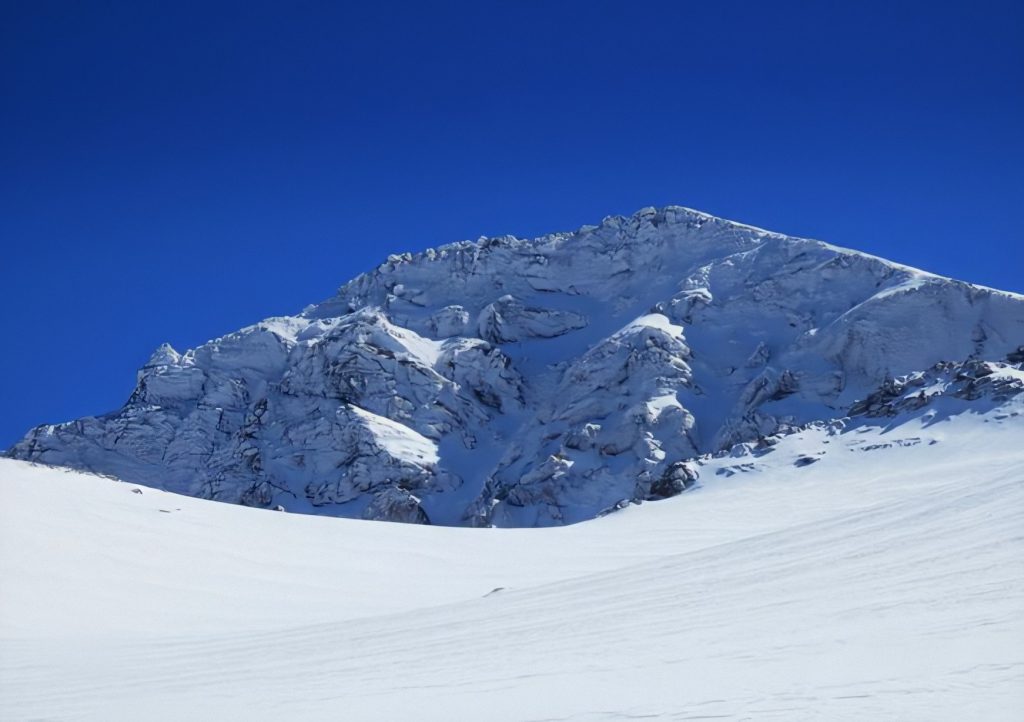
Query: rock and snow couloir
[[542, 382]]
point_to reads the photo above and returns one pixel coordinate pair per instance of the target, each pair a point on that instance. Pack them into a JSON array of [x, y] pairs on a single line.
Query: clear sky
[[171, 171]]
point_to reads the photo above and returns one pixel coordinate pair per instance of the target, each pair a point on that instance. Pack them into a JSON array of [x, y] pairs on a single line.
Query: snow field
[[884, 581]]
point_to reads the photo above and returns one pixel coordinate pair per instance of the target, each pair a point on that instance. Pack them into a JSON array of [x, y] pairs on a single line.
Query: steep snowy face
[[541, 382]]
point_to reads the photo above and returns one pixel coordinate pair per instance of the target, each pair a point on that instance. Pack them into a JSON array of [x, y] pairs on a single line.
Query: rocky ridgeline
[[946, 385], [970, 380], [525, 383]]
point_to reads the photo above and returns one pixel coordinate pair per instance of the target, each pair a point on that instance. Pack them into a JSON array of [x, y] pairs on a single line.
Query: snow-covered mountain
[[542, 382]]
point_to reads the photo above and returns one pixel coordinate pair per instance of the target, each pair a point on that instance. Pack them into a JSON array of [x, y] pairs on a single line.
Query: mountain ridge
[[535, 382]]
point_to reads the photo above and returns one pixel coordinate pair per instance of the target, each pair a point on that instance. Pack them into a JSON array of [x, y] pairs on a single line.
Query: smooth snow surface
[[883, 581]]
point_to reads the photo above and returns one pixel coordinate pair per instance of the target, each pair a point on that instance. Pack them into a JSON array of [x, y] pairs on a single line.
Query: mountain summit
[[541, 382]]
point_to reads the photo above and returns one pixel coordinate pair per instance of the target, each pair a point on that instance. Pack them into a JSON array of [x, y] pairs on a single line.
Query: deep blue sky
[[172, 171]]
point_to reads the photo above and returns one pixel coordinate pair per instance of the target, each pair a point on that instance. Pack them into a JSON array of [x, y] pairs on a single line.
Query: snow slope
[[539, 382], [867, 569]]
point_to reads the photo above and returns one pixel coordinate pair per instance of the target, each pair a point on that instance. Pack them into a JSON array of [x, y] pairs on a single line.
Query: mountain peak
[[536, 382]]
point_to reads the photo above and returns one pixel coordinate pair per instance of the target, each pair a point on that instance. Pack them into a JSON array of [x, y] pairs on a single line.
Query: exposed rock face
[[396, 504], [508, 319], [542, 382], [971, 380]]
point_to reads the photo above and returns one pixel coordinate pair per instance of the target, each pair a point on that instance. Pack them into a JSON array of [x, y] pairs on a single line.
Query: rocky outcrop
[[508, 320], [969, 380], [609, 430], [396, 504]]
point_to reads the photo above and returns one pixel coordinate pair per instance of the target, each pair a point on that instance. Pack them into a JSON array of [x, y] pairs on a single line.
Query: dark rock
[[677, 478]]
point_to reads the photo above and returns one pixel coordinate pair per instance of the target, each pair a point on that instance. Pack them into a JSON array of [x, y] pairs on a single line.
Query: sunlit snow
[[884, 581]]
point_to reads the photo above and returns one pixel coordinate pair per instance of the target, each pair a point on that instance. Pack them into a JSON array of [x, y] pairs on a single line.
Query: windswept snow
[[653, 320], [870, 569], [399, 441]]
